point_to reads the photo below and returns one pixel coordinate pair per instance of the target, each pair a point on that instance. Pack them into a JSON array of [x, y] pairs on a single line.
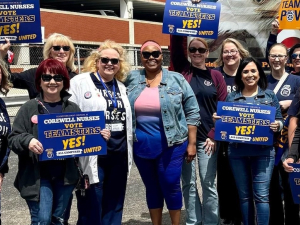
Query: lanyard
[[42, 105], [114, 90]]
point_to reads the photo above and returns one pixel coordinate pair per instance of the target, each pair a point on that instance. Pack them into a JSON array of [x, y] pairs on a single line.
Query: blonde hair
[[242, 51], [90, 62], [60, 38], [5, 83]]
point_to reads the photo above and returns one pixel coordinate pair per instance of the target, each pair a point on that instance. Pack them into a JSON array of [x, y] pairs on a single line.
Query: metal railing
[[28, 56]]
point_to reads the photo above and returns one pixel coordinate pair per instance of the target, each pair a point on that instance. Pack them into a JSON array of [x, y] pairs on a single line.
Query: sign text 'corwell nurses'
[[20, 21], [245, 123], [289, 14], [182, 17], [294, 178], [66, 135]]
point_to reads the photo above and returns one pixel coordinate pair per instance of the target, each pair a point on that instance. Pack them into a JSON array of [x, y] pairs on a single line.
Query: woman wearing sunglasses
[[209, 87], [101, 89], [285, 87], [232, 52], [59, 47], [165, 116], [45, 185]]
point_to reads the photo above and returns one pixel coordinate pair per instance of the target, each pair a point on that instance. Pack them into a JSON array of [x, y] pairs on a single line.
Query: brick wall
[[99, 28]]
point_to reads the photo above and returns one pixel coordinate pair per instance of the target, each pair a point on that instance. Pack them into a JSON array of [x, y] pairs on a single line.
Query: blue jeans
[[252, 175], [208, 212], [54, 198], [103, 201]]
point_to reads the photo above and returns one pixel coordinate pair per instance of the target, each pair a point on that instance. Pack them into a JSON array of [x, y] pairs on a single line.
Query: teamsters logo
[[171, 28], [224, 135], [207, 83], [50, 153], [286, 90], [290, 15]]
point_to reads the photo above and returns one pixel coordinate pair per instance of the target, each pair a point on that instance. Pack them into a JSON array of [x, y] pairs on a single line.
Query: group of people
[[162, 120]]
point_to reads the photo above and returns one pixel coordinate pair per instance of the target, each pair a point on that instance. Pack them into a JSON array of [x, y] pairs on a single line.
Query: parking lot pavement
[[15, 210]]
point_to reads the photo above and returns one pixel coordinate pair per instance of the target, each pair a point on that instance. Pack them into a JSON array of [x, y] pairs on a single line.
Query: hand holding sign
[[288, 168], [4, 48], [35, 146]]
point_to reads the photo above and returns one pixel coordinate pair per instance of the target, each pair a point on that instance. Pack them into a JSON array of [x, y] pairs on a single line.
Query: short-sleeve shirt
[[287, 91], [229, 80], [206, 94]]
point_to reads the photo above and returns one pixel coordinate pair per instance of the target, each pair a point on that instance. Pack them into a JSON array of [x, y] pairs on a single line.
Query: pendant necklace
[[148, 83], [112, 98]]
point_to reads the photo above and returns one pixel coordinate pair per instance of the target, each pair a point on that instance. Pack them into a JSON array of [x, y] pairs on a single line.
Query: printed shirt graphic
[[115, 120], [206, 94], [288, 89]]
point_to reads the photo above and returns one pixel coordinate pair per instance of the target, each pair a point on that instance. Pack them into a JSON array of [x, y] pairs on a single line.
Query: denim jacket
[[178, 103], [264, 97]]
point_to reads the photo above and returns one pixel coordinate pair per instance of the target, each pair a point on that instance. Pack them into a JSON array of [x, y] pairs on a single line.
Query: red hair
[[52, 66]]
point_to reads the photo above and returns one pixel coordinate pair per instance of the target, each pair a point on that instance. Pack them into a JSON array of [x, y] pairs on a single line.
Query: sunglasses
[[294, 56], [113, 61], [57, 48], [147, 55], [48, 77], [200, 50]]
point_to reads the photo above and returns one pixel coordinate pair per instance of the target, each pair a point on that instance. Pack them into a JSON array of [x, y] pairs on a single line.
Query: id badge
[[116, 127]]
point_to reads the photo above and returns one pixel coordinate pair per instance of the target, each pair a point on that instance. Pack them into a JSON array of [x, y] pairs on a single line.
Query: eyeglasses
[[231, 52], [57, 48], [113, 61], [155, 54], [200, 50], [272, 56], [48, 77], [294, 56]]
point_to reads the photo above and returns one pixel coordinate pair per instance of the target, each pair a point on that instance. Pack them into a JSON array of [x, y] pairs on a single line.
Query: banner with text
[[66, 135], [182, 17], [289, 14], [20, 21], [294, 178], [244, 123]]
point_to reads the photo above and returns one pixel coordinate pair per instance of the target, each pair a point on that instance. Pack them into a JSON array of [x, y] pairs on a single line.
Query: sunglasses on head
[[200, 50], [147, 55], [113, 61], [294, 56], [57, 48], [48, 77]]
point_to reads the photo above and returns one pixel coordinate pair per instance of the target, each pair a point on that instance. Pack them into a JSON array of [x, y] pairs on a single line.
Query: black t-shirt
[[115, 121], [229, 80], [206, 94], [51, 169]]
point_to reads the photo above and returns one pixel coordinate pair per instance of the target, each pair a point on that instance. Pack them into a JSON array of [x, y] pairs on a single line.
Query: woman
[[252, 166], [58, 46], [47, 185], [209, 88], [101, 89], [165, 116], [4, 125], [285, 87], [232, 52], [294, 52]]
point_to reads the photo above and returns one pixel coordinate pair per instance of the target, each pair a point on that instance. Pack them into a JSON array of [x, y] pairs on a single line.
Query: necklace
[[149, 83], [112, 98]]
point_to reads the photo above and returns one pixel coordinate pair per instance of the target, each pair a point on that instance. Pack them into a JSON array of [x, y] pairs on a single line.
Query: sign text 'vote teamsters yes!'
[[66, 135], [20, 21], [245, 123], [182, 17]]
